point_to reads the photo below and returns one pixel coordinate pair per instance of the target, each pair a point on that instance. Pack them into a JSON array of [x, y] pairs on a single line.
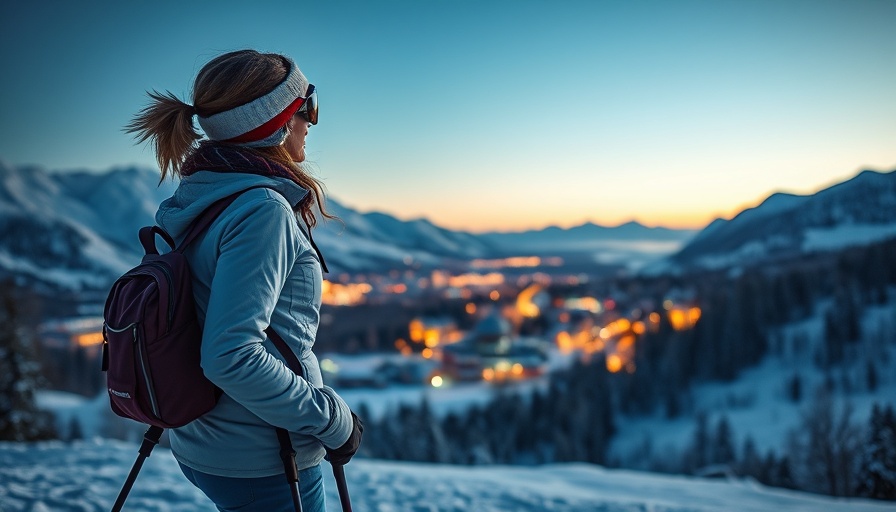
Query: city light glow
[[524, 304], [344, 294], [89, 339], [683, 319], [614, 363]]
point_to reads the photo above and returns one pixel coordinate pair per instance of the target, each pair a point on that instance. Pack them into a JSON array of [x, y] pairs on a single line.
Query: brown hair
[[226, 82]]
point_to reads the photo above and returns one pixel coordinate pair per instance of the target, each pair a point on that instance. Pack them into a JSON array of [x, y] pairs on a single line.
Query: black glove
[[340, 456]]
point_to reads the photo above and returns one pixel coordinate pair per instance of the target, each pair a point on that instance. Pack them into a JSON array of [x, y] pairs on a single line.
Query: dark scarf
[[217, 157], [214, 156]]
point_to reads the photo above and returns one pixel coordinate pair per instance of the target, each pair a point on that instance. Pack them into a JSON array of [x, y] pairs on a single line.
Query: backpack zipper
[[146, 378], [129, 326], [167, 273]]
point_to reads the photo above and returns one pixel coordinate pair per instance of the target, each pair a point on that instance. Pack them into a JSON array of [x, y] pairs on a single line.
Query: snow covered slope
[[858, 211], [86, 476], [77, 230], [70, 232]]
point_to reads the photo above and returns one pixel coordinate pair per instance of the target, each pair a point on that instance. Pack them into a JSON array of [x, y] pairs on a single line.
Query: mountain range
[[77, 230], [858, 211]]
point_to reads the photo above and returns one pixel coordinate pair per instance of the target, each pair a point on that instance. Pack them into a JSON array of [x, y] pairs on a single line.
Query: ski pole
[[150, 440], [339, 474]]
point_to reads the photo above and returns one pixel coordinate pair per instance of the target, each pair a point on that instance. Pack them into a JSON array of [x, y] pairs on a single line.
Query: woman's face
[[295, 141]]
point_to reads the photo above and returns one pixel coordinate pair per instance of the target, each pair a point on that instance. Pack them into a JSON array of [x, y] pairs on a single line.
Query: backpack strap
[[201, 223], [204, 220], [148, 238], [320, 256]]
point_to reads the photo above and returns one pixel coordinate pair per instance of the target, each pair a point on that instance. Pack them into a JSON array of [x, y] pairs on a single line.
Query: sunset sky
[[492, 115]]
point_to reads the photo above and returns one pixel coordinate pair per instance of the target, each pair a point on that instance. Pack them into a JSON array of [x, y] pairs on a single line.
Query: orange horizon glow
[[693, 222], [693, 212], [480, 221]]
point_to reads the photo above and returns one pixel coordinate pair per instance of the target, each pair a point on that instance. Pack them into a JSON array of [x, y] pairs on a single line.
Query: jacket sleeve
[[257, 251]]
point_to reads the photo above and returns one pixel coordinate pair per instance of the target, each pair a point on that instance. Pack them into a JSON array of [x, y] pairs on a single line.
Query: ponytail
[[168, 121]]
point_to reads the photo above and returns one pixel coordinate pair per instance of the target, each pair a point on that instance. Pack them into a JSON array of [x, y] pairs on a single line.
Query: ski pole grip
[[289, 465], [150, 440]]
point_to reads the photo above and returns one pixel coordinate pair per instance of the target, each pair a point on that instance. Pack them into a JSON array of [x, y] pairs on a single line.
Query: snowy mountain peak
[[78, 229], [860, 210]]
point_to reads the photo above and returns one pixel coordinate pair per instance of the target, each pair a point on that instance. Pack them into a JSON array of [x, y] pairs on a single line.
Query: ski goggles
[[308, 110]]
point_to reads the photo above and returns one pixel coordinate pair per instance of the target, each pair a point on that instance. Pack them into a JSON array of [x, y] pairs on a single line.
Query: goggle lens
[[308, 110]]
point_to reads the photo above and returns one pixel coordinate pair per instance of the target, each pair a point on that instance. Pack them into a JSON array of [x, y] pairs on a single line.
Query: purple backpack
[[152, 337]]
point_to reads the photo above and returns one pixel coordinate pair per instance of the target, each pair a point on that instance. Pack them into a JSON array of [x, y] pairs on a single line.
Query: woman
[[254, 267]]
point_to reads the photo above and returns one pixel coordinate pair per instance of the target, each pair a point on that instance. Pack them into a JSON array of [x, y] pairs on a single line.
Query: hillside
[[858, 211], [86, 476]]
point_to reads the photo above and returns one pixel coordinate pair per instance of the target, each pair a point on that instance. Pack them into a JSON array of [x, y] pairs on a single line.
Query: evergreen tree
[[782, 475], [433, 437], [371, 430], [75, 432], [476, 438], [877, 476], [871, 376], [800, 287], [723, 443], [825, 447], [767, 467], [673, 406], [453, 429], [833, 340], [795, 388], [20, 419], [750, 462], [700, 444]]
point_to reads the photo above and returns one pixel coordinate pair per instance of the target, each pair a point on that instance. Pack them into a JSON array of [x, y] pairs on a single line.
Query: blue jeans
[[265, 494]]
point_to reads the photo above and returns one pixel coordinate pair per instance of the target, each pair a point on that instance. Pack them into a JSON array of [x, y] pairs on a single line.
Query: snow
[[69, 407], [752, 250], [450, 398], [774, 204], [756, 403], [70, 279], [635, 254], [847, 235], [86, 476]]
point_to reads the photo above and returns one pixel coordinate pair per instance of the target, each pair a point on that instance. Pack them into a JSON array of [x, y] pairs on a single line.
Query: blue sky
[[493, 115]]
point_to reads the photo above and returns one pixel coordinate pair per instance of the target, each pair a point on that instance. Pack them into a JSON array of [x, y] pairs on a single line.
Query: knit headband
[[262, 121]]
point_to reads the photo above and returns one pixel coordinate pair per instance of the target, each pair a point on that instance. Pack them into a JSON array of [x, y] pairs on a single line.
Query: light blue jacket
[[252, 268]]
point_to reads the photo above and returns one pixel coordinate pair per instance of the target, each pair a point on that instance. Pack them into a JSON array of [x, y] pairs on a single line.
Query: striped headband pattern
[[262, 121]]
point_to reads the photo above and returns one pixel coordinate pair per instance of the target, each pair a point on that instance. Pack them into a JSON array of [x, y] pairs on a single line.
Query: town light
[[614, 363], [524, 303], [328, 365], [90, 339]]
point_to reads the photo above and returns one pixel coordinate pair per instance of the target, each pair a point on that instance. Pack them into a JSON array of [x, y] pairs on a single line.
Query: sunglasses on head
[[308, 110]]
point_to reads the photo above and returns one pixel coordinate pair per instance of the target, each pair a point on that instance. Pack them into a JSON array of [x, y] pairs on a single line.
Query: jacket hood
[[199, 190]]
